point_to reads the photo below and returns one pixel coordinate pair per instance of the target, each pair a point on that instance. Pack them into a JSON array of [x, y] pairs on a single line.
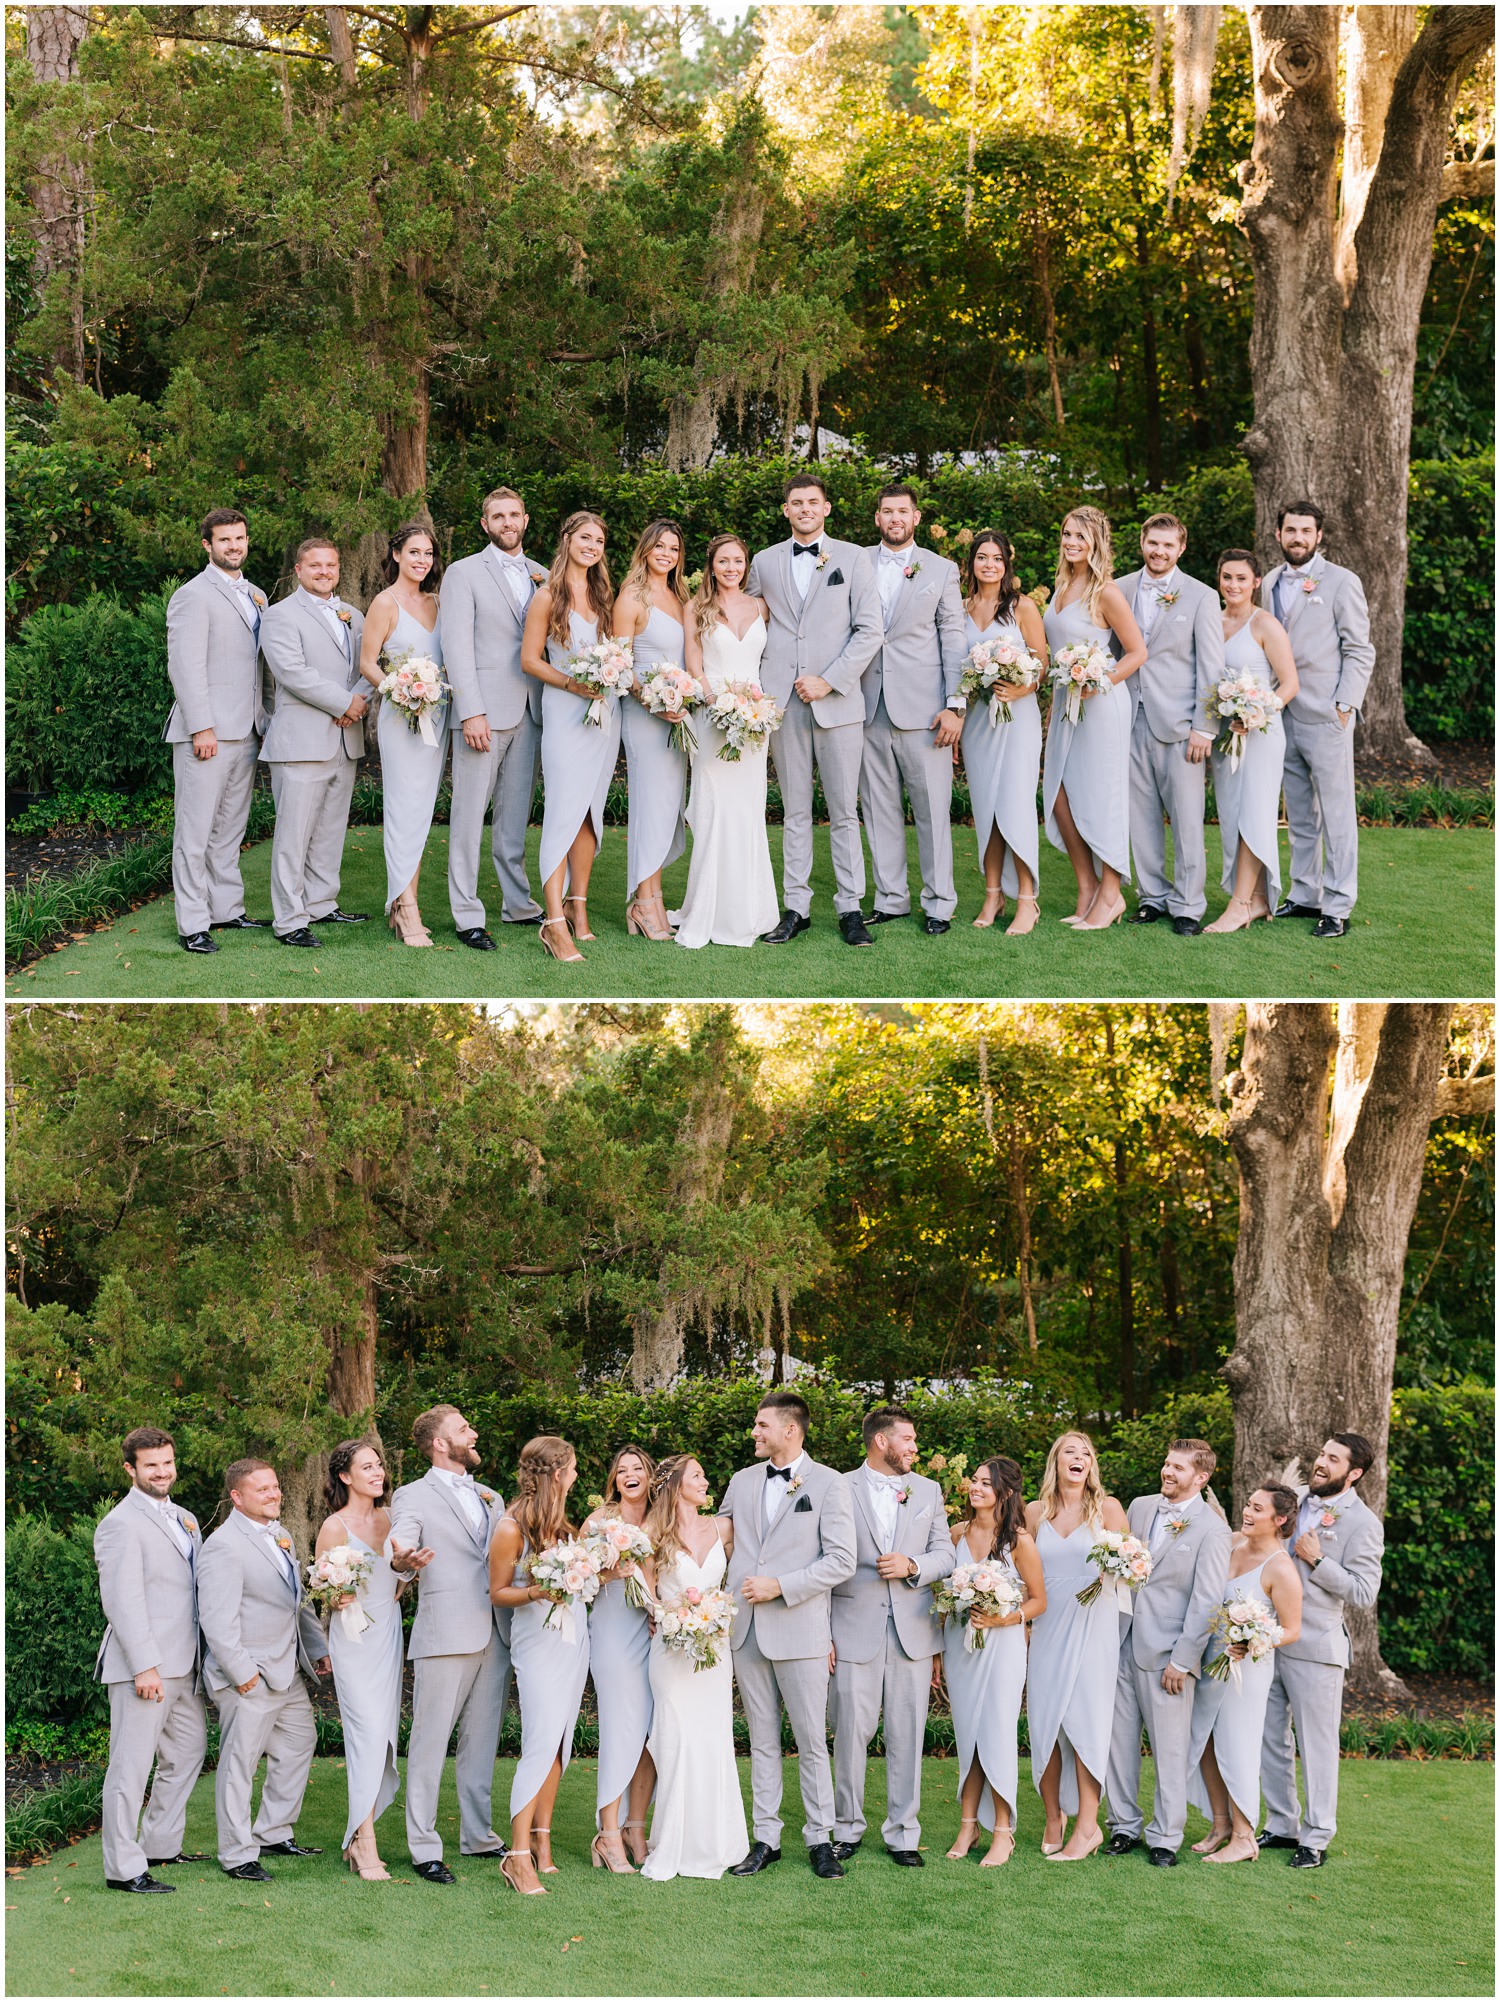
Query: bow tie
[[778, 1473], [513, 562], [901, 556], [805, 548]]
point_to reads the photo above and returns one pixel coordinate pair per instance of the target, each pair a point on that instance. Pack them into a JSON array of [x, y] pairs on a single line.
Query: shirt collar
[[792, 1466], [1162, 584], [1181, 1508], [328, 604], [458, 1480], [902, 556]]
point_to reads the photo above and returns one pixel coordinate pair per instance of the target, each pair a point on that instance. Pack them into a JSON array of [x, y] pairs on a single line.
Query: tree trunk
[[403, 459], [54, 35], [1042, 259], [1328, 1122], [1150, 366], [1124, 1250], [1022, 1202]]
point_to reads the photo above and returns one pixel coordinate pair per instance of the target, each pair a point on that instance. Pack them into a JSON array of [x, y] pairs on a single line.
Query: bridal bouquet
[[1081, 670], [698, 1624], [604, 667], [335, 1575], [672, 691], [1246, 1623], [568, 1571], [1241, 699], [995, 663], [1124, 1566], [414, 686], [621, 1542], [746, 715], [974, 1588]]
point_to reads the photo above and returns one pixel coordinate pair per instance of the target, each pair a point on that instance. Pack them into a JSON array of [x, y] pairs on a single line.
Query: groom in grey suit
[[913, 715], [147, 1550], [884, 1634], [260, 1637], [441, 1528], [213, 662], [497, 751], [793, 1543], [1328, 623], [1170, 737], [1162, 1639], [1338, 1550], [825, 628], [313, 742]]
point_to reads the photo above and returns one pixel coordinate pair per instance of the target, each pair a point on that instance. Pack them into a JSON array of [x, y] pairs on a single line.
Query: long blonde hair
[[1049, 1494], [638, 577], [540, 1510], [661, 1516], [600, 591], [707, 611], [1101, 557]]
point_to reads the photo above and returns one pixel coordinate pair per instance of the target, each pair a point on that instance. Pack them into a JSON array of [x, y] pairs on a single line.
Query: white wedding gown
[[698, 1826], [731, 893]]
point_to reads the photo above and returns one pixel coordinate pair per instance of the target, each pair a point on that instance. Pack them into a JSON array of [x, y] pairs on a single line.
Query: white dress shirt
[[516, 574], [271, 1531], [1167, 1512], [885, 1499], [468, 1495], [803, 567], [777, 1489], [1150, 595], [170, 1515], [890, 567]]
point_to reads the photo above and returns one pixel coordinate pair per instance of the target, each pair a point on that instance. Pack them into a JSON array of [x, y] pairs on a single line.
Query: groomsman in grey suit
[[1328, 623], [314, 739], [147, 1551], [913, 715], [441, 1528], [260, 1638], [1170, 738], [213, 661], [825, 628], [793, 1543], [884, 1634], [1163, 1636], [497, 752], [1338, 1551]]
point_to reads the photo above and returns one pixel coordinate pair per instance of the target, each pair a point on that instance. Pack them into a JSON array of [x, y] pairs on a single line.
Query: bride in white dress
[[731, 893], [698, 1827]]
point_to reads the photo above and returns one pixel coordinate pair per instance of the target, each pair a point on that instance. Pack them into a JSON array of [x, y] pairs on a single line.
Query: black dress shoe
[[886, 917], [533, 922], [242, 924], [288, 1849], [855, 932], [1162, 1859], [1186, 927], [249, 1873], [1303, 1858], [1270, 1841], [823, 1860], [301, 936], [909, 1859], [197, 941], [1330, 928], [935, 927], [478, 938], [844, 1850], [436, 1872], [182, 1856], [338, 917], [790, 924], [761, 1856], [1121, 1845], [1287, 909], [147, 1883], [1146, 914]]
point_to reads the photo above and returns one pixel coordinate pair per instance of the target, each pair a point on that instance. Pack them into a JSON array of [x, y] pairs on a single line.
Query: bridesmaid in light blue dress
[[1086, 775], [650, 611], [1249, 799], [411, 769], [568, 613], [619, 1661], [1003, 760]]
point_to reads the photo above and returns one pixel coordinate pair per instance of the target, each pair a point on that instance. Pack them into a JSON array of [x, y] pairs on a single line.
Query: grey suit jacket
[[921, 653], [833, 632], [482, 643], [864, 1601], [148, 1590], [312, 681], [213, 661], [1348, 1575], [255, 1622], [809, 1548], [1169, 1621], [1184, 658], [454, 1614], [1329, 631]]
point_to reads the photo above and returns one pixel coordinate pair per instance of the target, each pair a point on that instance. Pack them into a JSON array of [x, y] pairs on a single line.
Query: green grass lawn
[[1404, 1906], [1424, 927]]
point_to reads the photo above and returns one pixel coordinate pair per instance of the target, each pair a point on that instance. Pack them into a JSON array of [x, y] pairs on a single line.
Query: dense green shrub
[[1437, 1604], [87, 695], [1448, 668], [53, 1622]]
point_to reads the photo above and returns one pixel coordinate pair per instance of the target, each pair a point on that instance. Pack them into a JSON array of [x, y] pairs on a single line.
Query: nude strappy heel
[[1000, 1862], [625, 1828], [983, 923], [603, 1860], [541, 1889], [641, 921], [584, 935], [550, 924], [1057, 1855], [406, 922], [1015, 929], [545, 1869], [955, 1854]]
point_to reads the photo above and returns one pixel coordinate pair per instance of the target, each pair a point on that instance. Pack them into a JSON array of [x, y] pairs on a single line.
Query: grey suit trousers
[[307, 848], [837, 751], [1163, 783], [174, 1733], [276, 1724], [503, 778], [1306, 1697], [802, 1686], [893, 758], [467, 1691], [211, 804], [1318, 780], [896, 1685], [1169, 1725]]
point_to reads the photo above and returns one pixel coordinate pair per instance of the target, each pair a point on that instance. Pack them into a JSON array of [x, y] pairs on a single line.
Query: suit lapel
[[313, 618], [446, 1490], [258, 1537], [1314, 574], [861, 1489], [812, 582], [238, 601], [788, 1504], [153, 1516], [491, 567]]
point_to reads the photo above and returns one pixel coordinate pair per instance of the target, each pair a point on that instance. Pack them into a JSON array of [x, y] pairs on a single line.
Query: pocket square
[[803, 1506], [837, 577]]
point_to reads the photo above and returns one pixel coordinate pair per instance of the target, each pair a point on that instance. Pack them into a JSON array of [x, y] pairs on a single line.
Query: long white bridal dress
[[731, 893]]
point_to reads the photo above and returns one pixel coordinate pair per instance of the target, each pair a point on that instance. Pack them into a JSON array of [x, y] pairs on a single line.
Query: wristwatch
[[957, 703], [1344, 708]]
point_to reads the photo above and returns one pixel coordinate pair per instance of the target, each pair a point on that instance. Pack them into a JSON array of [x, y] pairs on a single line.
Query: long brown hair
[[1010, 1504], [599, 590], [539, 1510], [661, 1517], [340, 1460], [638, 577], [707, 612], [1010, 590], [391, 569], [625, 1452]]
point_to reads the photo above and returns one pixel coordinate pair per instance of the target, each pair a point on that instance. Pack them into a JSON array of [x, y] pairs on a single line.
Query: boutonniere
[[821, 561], [903, 1496], [1170, 597], [1176, 1524], [793, 1484], [1309, 585], [913, 567], [345, 618], [284, 1543], [486, 1495], [257, 599], [1328, 1518], [189, 1521]]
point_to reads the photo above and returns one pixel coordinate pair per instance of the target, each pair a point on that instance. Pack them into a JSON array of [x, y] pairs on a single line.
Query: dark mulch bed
[[30, 855], [1445, 1697], [1465, 764], [28, 1775]]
